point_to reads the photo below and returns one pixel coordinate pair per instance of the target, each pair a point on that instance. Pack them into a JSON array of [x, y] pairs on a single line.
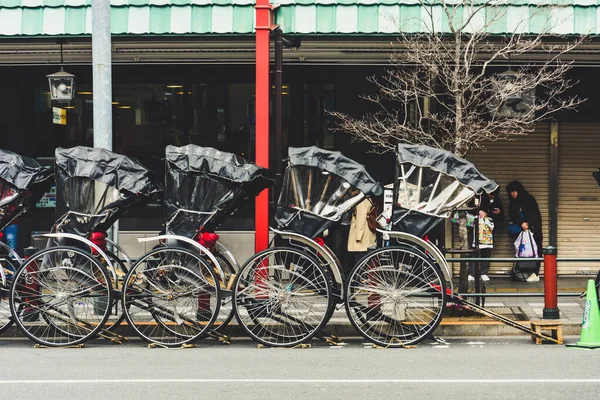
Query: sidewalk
[[521, 309]]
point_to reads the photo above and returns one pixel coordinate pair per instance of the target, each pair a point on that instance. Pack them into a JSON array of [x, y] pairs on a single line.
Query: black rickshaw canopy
[[23, 181], [218, 164], [431, 183], [22, 172], [205, 185], [336, 163], [446, 162], [123, 173], [94, 187], [319, 186]]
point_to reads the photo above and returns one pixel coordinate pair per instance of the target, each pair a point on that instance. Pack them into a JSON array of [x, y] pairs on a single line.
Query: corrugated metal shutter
[[579, 195], [525, 159]]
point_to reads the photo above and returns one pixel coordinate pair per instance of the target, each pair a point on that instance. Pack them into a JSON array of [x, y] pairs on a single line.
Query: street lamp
[[509, 85], [61, 85], [61, 82], [511, 94]]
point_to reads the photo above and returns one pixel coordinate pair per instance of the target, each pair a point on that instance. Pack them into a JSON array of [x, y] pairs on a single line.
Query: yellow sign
[[59, 116]]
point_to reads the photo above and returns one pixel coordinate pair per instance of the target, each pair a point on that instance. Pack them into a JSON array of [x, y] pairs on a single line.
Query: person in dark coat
[[491, 207], [524, 213]]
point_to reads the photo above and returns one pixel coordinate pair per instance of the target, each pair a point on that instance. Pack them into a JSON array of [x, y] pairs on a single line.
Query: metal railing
[[454, 260], [515, 259]]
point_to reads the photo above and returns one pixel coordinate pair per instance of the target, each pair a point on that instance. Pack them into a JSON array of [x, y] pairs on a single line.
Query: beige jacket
[[361, 237]]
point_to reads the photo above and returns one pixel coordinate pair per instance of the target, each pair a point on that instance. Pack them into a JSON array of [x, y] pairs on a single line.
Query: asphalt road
[[478, 368]]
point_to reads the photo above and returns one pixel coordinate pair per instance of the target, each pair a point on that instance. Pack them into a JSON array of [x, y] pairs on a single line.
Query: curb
[[341, 329]]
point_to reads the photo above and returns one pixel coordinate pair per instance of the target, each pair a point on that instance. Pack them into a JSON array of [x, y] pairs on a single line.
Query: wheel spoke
[[171, 296], [61, 296], [282, 297], [391, 296]]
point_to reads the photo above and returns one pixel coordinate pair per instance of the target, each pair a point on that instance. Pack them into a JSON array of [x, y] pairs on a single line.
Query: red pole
[[264, 24], [550, 284]]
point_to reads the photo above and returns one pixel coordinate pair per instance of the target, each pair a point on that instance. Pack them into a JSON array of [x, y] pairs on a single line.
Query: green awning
[[320, 17], [392, 16], [128, 17]]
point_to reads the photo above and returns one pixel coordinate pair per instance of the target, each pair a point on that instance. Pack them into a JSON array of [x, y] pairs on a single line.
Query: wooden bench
[[554, 326]]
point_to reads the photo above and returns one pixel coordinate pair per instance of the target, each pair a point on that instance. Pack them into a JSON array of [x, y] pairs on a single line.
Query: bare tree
[[443, 89], [446, 89]]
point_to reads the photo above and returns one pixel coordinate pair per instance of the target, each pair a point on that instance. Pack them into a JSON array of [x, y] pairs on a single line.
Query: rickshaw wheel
[[171, 296], [10, 268], [226, 311], [282, 297], [395, 296], [116, 317], [61, 296]]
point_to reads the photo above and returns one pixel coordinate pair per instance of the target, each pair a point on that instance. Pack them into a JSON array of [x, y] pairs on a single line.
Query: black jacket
[[530, 209]]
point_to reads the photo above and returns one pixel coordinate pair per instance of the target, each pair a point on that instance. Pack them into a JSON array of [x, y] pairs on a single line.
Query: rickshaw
[[286, 294], [180, 291], [65, 294], [397, 294], [23, 182]]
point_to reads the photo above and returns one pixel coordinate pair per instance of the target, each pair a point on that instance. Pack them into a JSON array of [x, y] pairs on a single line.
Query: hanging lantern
[[61, 85], [510, 94], [509, 86]]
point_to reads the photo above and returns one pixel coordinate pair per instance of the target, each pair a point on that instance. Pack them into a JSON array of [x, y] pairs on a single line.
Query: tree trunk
[[459, 147], [463, 239], [462, 232]]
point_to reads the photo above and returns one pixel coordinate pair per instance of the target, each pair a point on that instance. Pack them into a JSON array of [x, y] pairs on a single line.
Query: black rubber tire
[[289, 294], [226, 311], [113, 323], [6, 319], [134, 301], [19, 290], [410, 276]]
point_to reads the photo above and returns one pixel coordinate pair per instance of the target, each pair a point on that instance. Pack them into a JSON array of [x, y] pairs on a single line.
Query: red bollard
[[550, 284]]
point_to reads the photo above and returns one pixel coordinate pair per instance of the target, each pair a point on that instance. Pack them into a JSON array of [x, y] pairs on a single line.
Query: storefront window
[[305, 118], [149, 116]]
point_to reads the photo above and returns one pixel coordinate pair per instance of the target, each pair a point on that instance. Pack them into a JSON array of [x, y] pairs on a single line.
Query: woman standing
[[524, 215]]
